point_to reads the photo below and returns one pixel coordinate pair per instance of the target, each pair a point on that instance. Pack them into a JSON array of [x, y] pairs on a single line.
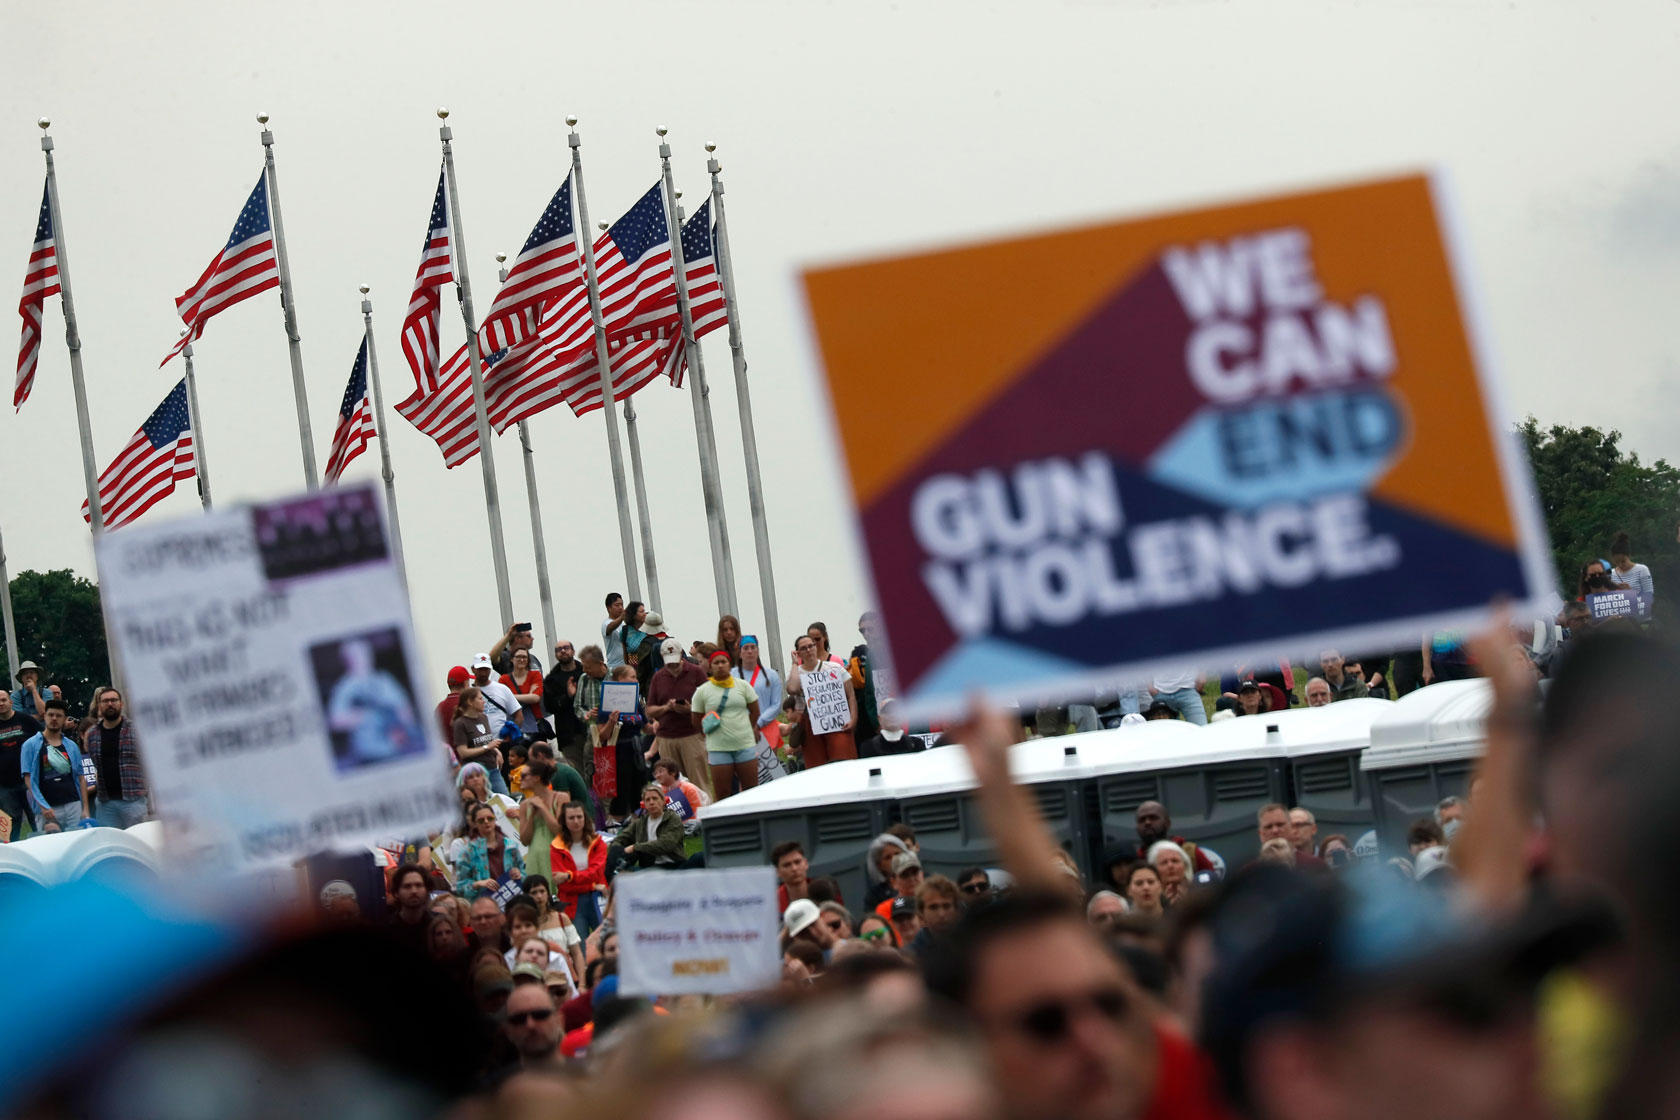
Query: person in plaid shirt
[[121, 792]]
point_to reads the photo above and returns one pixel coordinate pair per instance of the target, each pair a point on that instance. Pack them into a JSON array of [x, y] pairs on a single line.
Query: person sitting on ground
[[655, 839], [1343, 685], [680, 793], [578, 867], [891, 738], [1143, 890], [1318, 693], [1252, 700], [788, 858], [729, 714]]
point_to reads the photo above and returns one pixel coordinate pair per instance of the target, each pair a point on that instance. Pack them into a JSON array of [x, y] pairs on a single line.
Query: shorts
[[731, 758]]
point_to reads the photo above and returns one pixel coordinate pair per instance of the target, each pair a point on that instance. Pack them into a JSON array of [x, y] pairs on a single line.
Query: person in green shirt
[[729, 712]]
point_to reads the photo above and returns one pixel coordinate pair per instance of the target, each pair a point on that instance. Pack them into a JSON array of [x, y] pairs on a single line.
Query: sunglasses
[[519, 1018], [979, 886], [874, 935], [1051, 1022]]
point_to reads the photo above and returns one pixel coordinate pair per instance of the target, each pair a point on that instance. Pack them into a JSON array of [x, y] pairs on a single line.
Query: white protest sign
[[269, 657], [701, 932], [769, 766], [825, 698]]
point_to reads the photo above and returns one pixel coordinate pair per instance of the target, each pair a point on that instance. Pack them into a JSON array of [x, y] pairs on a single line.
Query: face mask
[[892, 736]]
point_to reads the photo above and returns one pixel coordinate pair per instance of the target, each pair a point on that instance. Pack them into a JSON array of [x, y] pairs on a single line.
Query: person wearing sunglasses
[[532, 1024], [1069, 1038], [877, 932], [975, 886]]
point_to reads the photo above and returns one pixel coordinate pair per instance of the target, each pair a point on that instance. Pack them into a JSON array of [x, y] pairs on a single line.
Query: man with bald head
[[1153, 824], [532, 1024]]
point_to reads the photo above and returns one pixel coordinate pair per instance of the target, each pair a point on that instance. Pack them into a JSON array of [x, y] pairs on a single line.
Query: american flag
[[145, 472], [437, 269], [638, 298], [641, 357], [355, 420], [245, 267], [40, 280], [546, 265]]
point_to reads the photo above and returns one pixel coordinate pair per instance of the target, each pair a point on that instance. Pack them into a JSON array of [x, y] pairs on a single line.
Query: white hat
[[652, 623], [1429, 861], [482, 661], [671, 650], [801, 912]]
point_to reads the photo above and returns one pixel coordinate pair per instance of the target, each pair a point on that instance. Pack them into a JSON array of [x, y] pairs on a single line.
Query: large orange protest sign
[[1242, 430]]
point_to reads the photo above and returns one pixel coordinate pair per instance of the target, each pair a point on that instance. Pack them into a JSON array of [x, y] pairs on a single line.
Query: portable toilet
[[1424, 748], [1212, 780], [834, 811], [22, 877], [1322, 748]]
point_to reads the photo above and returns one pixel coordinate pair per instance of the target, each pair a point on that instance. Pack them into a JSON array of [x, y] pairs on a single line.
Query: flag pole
[[638, 481], [288, 307], [539, 544], [743, 399], [723, 564], [201, 465], [604, 361], [72, 337], [6, 616], [475, 361], [385, 471]]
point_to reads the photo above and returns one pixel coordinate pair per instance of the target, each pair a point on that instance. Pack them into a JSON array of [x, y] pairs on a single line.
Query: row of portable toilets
[[1362, 766]]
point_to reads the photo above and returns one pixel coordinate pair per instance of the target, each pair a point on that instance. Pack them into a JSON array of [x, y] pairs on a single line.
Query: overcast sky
[[845, 129]]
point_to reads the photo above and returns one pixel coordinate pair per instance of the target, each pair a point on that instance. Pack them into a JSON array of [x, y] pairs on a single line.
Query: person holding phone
[[670, 702]]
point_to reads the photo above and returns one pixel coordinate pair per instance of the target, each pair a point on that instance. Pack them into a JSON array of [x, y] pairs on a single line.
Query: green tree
[[60, 628], [1590, 489]]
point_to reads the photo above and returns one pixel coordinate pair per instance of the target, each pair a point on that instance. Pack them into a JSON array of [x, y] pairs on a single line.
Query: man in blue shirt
[[31, 699], [52, 772]]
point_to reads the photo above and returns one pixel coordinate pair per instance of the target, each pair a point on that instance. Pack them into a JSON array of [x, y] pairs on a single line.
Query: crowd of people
[[1516, 960]]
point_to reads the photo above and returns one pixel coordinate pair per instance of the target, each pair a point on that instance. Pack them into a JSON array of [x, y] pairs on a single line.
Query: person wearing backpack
[[52, 772], [729, 719]]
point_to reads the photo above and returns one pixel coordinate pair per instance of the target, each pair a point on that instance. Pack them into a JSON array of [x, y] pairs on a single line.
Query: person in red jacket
[[578, 857]]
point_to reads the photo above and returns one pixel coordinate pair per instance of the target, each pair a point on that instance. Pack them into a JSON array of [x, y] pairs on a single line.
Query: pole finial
[[443, 113], [501, 258], [677, 193], [183, 333], [262, 118], [600, 225], [662, 130], [364, 289], [711, 145], [43, 124], [571, 121]]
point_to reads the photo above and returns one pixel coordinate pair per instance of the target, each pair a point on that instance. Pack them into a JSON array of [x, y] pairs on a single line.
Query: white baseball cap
[[482, 661], [801, 912], [671, 650]]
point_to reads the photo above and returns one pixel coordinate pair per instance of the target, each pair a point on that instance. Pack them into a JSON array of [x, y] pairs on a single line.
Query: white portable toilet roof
[[1302, 732], [70, 855], [1438, 723], [836, 783], [15, 859]]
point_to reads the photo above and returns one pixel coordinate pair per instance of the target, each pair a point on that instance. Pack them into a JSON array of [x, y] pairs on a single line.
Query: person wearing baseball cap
[[500, 705], [457, 679], [670, 699], [799, 923], [905, 872]]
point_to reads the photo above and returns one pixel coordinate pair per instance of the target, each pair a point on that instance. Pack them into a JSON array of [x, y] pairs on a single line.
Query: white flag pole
[[743, 399], [463, 286], [538, 544], [638, 480], [385, 471], [604, 360], [723, 564], [72, 336], [201, 464], [288, 307]]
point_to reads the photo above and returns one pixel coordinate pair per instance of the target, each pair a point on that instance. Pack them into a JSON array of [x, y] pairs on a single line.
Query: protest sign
[[702, 932], [825, 698], [769, 766], [1198, 438], [1619, 604], [269, 657], [620, 697]]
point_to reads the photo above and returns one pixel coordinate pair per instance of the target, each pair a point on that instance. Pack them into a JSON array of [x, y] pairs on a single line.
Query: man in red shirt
[[1070, 1037], [459, 678], [669, 695]]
